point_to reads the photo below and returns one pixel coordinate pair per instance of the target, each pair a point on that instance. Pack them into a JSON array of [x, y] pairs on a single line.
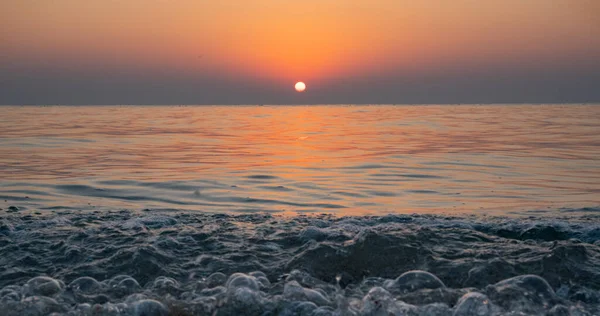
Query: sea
[[300, 210]]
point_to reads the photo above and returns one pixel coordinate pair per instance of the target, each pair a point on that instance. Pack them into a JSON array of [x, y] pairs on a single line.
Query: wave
[[188, 263]]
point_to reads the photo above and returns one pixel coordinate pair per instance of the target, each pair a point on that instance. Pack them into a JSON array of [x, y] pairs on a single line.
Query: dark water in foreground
[[188, 263], [145, 211], [354, 160]]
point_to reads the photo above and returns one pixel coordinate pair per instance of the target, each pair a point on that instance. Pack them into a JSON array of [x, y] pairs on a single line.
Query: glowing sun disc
[[300, 86]]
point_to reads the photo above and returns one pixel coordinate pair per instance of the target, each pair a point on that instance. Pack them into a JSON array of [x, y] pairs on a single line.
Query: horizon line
[[312, 104]]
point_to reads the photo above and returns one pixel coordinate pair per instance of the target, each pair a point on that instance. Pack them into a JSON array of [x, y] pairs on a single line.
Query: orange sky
[[303, 39], [311, 40]]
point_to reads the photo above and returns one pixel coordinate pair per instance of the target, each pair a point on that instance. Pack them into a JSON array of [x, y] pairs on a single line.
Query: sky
[[254, 51]]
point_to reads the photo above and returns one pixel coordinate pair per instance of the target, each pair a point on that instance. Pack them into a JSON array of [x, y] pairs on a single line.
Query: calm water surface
[[493, 159]]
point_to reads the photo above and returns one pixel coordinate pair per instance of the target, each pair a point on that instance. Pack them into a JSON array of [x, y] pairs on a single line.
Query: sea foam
[[186, 263]]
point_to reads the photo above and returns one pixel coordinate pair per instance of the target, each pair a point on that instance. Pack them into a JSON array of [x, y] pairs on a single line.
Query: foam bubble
[[85, 285], [411, 281], [148, 307], [43, 286], [295, 291], [473, 304]]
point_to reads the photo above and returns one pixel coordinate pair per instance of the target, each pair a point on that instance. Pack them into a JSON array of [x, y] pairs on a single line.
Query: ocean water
[[347, 160], [300, 210]]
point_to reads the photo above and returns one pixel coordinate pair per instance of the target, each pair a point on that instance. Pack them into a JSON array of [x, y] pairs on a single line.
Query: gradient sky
[[253, 51]]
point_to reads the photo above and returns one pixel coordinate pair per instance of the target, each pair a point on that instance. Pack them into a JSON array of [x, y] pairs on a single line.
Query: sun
[[300, 86]]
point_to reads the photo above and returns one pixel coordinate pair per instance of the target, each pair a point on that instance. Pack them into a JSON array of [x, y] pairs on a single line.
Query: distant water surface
[[491, 159]]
